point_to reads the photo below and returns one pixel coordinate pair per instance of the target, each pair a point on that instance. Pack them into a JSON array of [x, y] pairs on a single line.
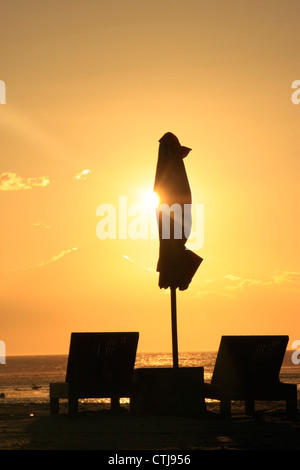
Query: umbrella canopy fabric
[[176, 265]]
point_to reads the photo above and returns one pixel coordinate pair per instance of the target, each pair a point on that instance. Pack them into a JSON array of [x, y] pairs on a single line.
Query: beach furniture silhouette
[[247, 369], [176, 265], [169, 391], [100, 365]]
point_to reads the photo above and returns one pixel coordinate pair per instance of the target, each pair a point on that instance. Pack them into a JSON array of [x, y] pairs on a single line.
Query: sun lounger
[[247, 368], [100, 365]]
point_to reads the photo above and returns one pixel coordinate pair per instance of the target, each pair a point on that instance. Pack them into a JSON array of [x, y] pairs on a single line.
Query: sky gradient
[[91, 86]]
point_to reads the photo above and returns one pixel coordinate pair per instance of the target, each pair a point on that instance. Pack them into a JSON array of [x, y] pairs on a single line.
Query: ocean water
[[27, 378]]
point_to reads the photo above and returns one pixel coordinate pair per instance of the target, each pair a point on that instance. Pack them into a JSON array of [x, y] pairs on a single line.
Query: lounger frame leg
[[73, 405], [115, 403], [225, 407], [291, 405], [250, 407], [54, 406]]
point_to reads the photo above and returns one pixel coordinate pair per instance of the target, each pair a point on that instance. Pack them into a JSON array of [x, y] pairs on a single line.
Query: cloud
[[211, 287], [43, 263], [232, 277], [142, 266], [230, 285], [82, 175], [285, 279], [248, 282], [205, 293], [128, 259], [59, 256], [12, 182], [290, 277], [40, 224]]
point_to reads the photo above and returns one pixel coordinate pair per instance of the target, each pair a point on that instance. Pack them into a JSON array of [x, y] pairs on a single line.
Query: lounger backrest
[[247, 360], [101, 362]]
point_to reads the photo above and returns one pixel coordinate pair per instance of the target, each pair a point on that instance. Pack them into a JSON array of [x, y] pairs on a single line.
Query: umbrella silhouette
[[176, 264]]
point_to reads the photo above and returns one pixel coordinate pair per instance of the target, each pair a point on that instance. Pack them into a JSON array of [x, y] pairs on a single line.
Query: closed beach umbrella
[[176, 264]]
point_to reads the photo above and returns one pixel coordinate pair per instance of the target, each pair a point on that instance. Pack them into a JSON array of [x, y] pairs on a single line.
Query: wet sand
[[30, 427]]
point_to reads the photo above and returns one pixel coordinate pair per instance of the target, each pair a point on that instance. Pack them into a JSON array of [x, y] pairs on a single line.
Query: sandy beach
[[30, 427]]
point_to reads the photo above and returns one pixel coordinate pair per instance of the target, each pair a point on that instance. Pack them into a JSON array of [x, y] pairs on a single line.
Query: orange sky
[[94, 85]]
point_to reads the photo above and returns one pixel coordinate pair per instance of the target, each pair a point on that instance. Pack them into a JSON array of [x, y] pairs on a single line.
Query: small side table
[[168, 391]]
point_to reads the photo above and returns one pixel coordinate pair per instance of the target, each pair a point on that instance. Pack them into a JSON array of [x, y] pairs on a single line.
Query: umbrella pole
[[174, 327]]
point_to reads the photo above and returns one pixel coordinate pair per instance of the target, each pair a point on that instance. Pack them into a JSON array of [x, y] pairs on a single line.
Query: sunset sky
[[91, 86]]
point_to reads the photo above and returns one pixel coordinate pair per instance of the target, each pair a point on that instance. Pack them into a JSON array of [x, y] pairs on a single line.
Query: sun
[[150, 199]]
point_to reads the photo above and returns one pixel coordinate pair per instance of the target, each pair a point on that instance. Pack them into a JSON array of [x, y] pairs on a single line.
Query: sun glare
[[150, 199]]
